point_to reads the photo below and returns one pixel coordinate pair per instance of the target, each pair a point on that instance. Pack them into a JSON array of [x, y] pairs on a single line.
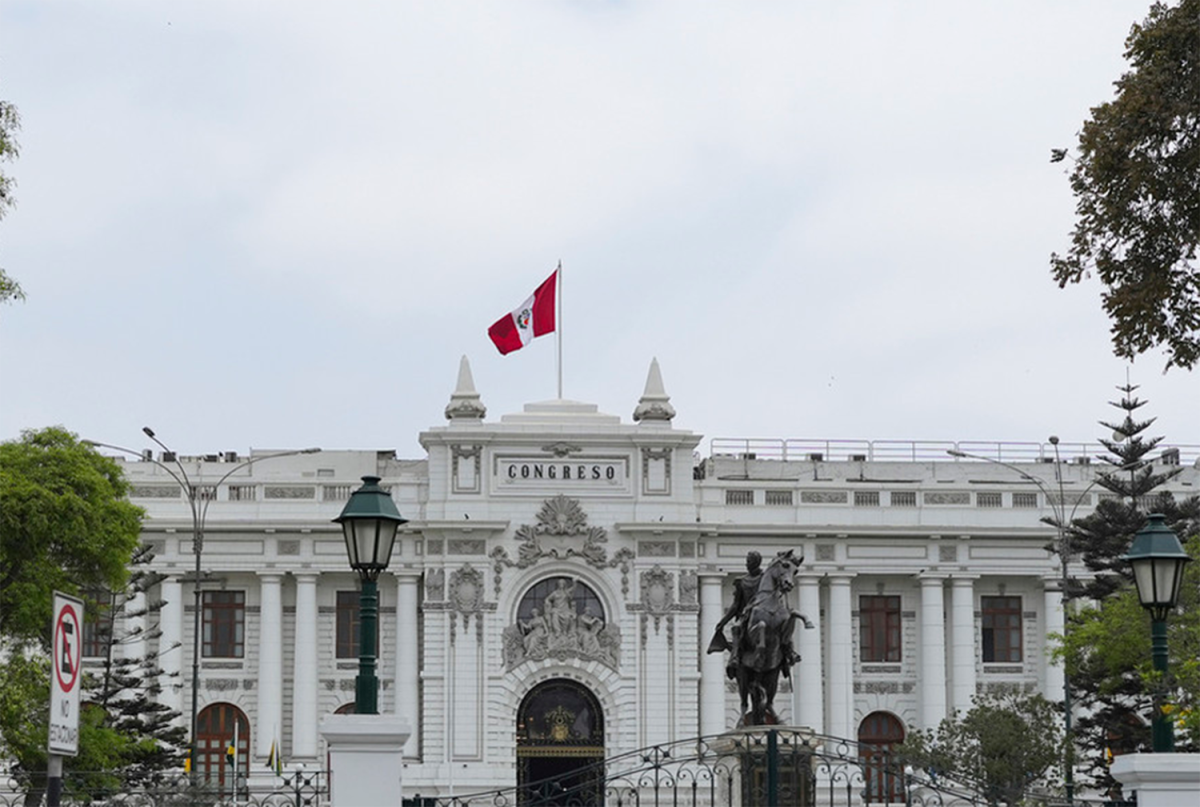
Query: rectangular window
[[989, 499], [1001, 629], [97, 624], [224, 624], [866, 498], [347, 624], [1025, 500], [904, 498], [879, 628], [781, 498], [739, 497]]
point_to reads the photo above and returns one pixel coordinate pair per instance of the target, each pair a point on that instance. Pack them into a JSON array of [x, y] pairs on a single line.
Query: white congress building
[[562, 570]]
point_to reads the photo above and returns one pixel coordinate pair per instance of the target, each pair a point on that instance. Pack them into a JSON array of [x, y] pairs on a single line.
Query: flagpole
[[558, 327]]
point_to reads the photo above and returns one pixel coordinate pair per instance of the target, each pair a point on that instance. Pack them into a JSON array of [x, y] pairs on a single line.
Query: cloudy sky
[[279, 224]]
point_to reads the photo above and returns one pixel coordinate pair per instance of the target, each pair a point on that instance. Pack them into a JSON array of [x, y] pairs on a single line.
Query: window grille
[[866, 498], [989, 500], [243, 493], [739, 497], [1025, 500]]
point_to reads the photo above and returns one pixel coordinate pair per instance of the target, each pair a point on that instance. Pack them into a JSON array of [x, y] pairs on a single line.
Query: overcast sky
[[280, 224]]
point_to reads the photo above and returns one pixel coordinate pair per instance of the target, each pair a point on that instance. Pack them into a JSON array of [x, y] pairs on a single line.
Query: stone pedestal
[[366, 759], [1160, 780], [774, 763]]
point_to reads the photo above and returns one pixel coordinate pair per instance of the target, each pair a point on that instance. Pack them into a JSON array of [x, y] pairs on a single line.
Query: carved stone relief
[[561, 532], [465, 594], [435, 585], [688, 587], [556, 630]]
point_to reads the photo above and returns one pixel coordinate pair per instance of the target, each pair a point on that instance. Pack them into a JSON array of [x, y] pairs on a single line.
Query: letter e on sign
[[66, 661]]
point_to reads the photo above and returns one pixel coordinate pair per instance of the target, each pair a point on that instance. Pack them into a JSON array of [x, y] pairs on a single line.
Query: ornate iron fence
[[296, 789]]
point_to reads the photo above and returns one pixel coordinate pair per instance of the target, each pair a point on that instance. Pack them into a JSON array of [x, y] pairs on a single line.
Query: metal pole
[[1064, 555], [1162, 731], [366, 685], [772, 767]]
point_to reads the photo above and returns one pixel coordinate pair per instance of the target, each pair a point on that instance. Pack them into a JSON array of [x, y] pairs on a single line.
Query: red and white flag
[[534, 317]]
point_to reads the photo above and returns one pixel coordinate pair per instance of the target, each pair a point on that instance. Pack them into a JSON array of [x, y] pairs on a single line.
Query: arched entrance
[[220, 728], [878, 736], [560, 745]]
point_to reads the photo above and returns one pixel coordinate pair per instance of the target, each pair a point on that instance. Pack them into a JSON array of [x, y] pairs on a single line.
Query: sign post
[[66, 663]]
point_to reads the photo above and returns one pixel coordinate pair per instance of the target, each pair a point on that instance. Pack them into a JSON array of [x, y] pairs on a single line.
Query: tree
[[1107, 655], [1001, 747], [1104, 536], [65, 523], [1137, 188], [10, 122], [1107, 659]]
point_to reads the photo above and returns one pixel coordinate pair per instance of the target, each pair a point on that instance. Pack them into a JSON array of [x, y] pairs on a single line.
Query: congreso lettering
[[581, 472]]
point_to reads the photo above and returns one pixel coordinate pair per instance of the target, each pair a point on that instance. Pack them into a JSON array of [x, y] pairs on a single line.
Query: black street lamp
[[1157, 559], [369, 522]]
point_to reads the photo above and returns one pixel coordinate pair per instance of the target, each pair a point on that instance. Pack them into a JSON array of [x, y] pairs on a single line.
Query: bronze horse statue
[[762, 647]]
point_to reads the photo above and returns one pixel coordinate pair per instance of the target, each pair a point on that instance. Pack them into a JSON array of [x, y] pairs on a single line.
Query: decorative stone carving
[[466, 546], [289, 547], [289, 492], [220, 684], [657, 600], [947, 553], [465, 403], [655, 404], [825, 552], [688, 587], [824, 497], [561, 449], [561, 523], [656, 549], [466, 590], [555, 630], [435, 585]]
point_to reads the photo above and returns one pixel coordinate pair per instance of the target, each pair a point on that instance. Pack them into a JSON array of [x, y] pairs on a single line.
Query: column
[[304, 670], [712, 665], [841, 659], [408, 703], [1052, 687], [962, 640], [270, 663], [170, 646], [933, 652], [808, 702]]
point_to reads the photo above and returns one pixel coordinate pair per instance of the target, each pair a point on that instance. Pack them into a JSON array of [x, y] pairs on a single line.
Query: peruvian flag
[[534, 317]]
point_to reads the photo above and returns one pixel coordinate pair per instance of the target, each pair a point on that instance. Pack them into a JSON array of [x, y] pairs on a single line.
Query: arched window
[[878, 736], [584, 599], [220, 727]]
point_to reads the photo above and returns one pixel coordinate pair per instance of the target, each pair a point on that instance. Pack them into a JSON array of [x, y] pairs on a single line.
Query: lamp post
[[1157, 559], [369, 522], [198, 503], [1061, 520]]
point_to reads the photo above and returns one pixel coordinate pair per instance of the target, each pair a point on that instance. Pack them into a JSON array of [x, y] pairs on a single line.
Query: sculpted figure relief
[[556, 628], [761, 647]]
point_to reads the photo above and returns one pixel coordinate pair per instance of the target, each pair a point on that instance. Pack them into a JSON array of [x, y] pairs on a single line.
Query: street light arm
[[184, 482]]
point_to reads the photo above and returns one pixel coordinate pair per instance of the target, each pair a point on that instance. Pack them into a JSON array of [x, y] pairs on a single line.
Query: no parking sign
[[66, 661]]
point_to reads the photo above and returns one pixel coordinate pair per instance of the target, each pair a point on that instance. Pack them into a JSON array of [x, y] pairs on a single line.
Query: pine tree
[[128, 688], [1104, 536], [1107, 666]]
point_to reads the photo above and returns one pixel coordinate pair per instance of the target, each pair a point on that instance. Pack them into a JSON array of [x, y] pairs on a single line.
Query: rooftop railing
[[803, 449]]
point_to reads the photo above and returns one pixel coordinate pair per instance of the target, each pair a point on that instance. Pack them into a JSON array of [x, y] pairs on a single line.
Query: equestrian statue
[[761, 648]]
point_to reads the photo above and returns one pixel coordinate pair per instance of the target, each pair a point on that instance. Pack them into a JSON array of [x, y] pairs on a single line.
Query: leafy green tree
[[65, 524], [1000, 748], [1107, 655], [1137, 189], [10, 122]]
